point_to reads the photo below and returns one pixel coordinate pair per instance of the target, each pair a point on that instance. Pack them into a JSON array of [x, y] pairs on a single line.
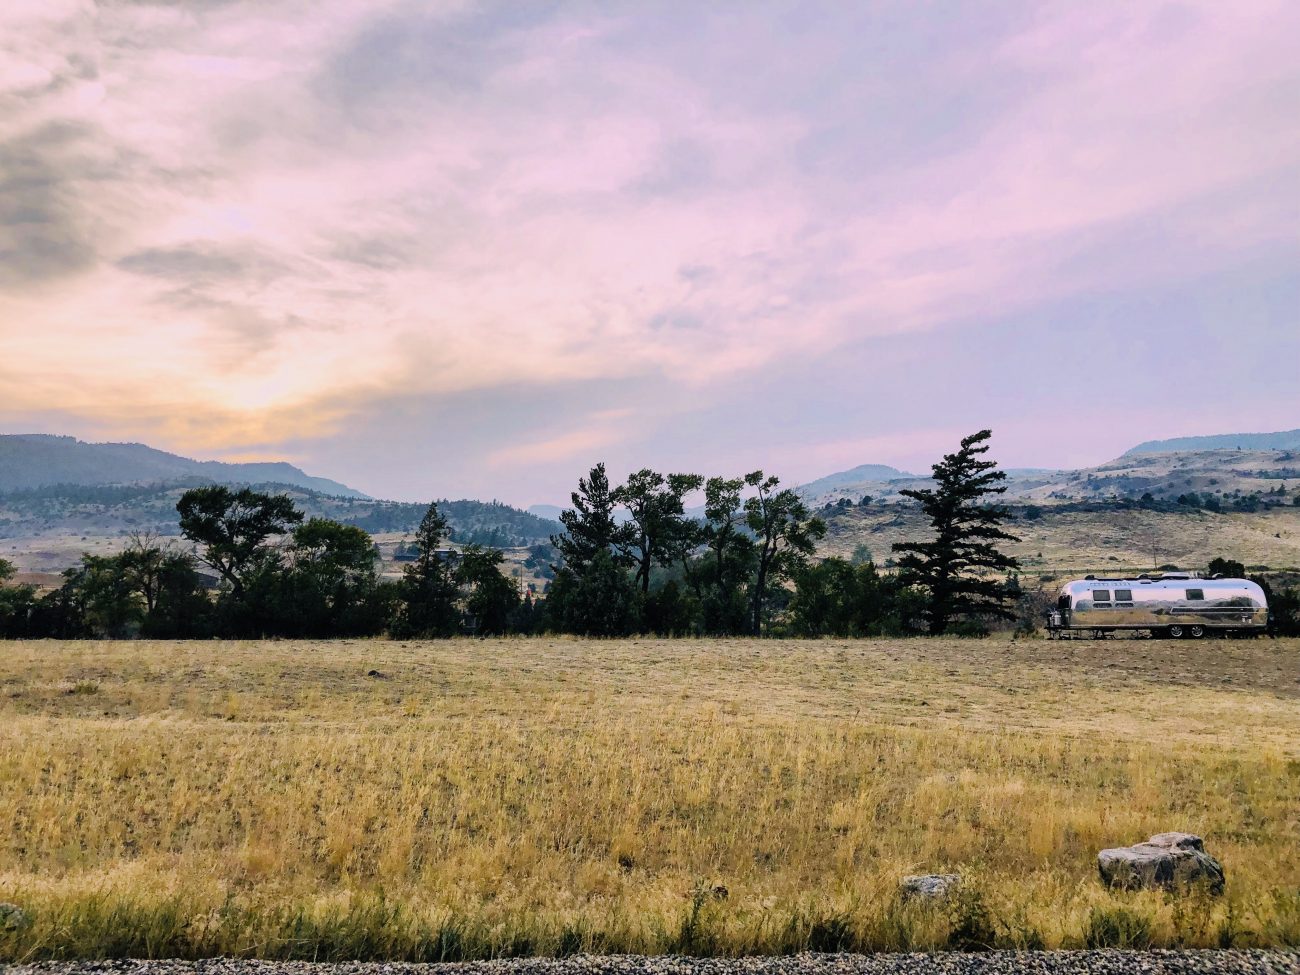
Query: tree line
[[631, 559], [270, 572], [634, 560]]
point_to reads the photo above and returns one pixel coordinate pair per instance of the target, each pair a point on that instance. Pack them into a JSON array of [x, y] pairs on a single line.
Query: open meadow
[[537, 796]]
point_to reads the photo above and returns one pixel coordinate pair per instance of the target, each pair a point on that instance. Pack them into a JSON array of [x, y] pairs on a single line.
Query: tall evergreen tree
[[429, 587], [967, 528], [590, 523]]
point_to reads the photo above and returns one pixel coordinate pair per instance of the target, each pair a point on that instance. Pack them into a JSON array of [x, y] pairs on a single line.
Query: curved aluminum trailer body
[[1172, 605]]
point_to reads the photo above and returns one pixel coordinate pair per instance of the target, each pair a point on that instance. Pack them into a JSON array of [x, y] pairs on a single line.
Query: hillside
[[47, 529], [1094, 537], [39, 460], [864, 479], [1286, 440], [1226, 474], [1226, 465]]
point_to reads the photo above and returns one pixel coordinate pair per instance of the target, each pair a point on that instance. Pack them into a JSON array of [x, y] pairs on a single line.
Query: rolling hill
[[47, 529], [1285, 440], [1228, 466], [40, 460], [842, 482], [60, 496]]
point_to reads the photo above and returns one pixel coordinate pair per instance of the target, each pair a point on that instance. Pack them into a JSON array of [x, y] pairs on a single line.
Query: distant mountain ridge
[[1284, 440], [41, 460], [550, 511], [862, 474], [1225, 465]]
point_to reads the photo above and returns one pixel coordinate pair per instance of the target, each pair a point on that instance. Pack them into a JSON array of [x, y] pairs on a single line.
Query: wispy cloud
[[240, 224]]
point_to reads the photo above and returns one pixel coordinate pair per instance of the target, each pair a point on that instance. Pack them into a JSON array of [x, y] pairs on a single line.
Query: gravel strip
[[993, 963]]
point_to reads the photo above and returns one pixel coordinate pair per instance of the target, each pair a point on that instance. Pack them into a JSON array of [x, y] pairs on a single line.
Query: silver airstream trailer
[[1172, 605]]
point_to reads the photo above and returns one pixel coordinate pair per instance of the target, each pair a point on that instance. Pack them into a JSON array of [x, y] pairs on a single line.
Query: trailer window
[[1124, 596], [1101, 595], [1195, 593]]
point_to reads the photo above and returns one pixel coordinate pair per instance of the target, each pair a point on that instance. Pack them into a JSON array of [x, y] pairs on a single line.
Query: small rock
[[929, 886], [12, 917], [1167, 860]]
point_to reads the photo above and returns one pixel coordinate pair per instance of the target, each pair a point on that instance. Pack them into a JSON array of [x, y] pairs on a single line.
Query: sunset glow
[[464, 249]]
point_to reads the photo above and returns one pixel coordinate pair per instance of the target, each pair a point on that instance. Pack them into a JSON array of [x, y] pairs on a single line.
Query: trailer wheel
[[1198, 631], [1175, 632]]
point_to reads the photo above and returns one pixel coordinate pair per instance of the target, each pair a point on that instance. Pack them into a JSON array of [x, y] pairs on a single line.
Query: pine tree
[[967, 529], [429, 588], [590, 523]]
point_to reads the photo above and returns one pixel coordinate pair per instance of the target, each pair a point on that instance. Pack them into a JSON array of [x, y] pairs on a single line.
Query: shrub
[[1117, 926]]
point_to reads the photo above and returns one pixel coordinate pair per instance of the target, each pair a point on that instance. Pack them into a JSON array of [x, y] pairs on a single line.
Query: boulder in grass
[[1167, 861], [12, 917], [929, 886]]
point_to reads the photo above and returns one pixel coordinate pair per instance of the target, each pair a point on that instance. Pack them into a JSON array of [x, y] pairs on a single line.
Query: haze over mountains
[[1223, 463], [54, 486], [41, 460]]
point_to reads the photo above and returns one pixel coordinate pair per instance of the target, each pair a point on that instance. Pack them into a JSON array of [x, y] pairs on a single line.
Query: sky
[[447, 249]]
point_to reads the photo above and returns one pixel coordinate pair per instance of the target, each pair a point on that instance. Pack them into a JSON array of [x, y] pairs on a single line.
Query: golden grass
[[547, 796]]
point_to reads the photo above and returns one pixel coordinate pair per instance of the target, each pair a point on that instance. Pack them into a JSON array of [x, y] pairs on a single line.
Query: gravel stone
[[1107, 962]]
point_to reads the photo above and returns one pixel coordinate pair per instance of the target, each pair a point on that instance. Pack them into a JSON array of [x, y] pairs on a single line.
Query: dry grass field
[[548, 796]]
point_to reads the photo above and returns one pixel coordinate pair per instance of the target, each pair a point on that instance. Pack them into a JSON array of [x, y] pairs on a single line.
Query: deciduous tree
[[233, 527], [491, 599], [655, 506], [785, 536]]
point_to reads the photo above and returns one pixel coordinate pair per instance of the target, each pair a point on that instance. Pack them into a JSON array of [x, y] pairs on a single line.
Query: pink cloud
[[272, 241]]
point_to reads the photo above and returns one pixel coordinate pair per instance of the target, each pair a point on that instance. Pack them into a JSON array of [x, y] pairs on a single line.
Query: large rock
[[12, 917], [929, 886], [1167, 860]]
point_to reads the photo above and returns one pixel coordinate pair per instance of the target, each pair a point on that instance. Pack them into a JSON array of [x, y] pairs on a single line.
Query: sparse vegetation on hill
[[118, 510], [1223, 475], [1088, 535]]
